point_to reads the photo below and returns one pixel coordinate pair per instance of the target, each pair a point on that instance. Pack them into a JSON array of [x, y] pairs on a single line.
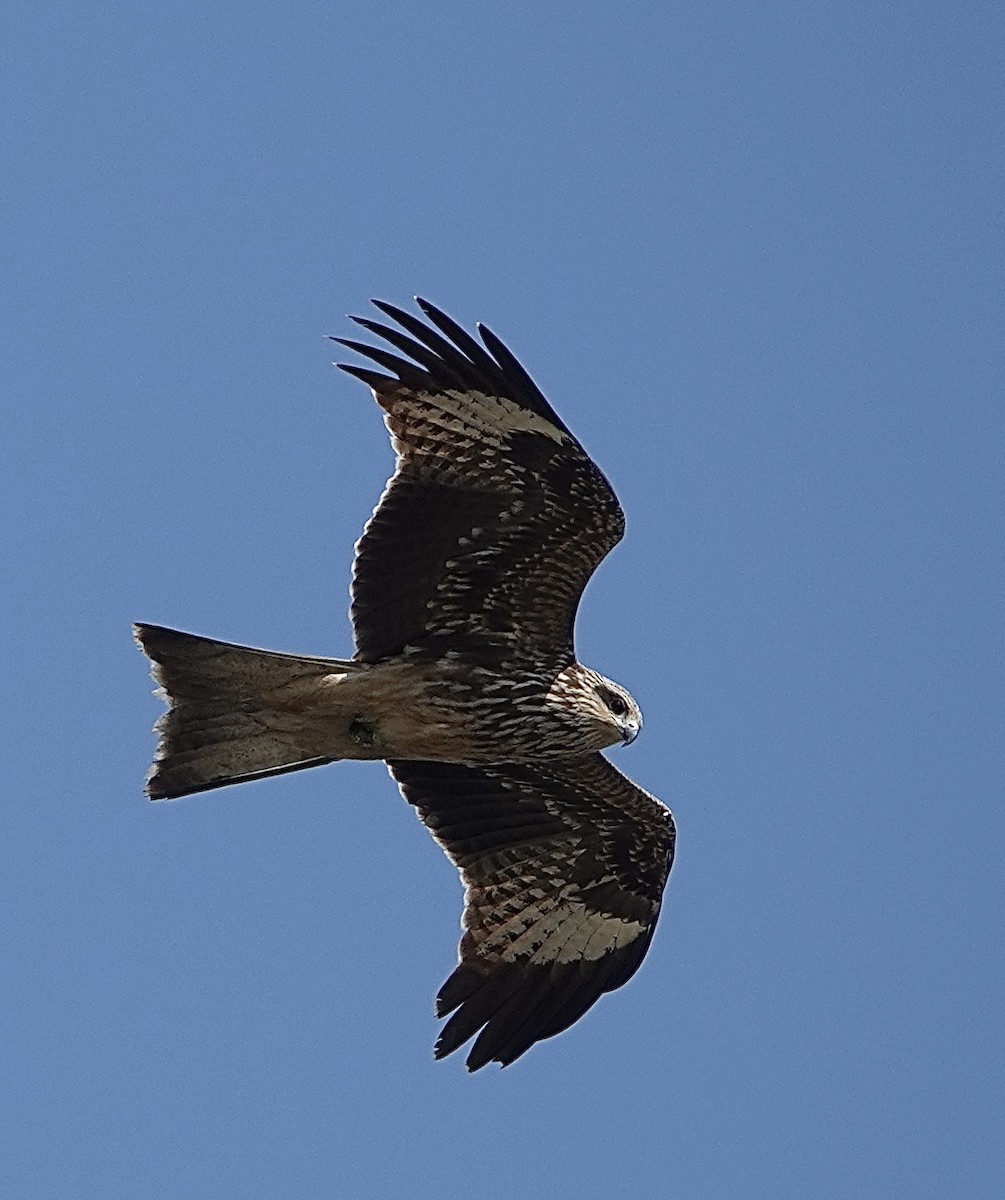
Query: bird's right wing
[[564, 865], [495, 516]]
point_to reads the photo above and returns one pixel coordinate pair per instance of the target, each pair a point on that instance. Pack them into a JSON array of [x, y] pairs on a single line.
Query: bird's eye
[[616, 704]]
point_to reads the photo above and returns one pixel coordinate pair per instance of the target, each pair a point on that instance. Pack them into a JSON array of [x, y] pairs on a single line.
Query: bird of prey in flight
[[465, 681]]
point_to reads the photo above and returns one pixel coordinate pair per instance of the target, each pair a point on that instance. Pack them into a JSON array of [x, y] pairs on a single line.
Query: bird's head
[[605, 713]]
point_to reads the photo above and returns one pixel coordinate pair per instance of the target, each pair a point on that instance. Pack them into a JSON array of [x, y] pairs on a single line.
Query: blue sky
[[752, 254]]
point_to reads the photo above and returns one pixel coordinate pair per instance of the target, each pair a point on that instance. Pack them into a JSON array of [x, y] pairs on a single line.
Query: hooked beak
[[630, 732]]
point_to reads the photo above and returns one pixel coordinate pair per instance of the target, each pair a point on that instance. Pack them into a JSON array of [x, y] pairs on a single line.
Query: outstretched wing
[[564, 865], [495, 516]]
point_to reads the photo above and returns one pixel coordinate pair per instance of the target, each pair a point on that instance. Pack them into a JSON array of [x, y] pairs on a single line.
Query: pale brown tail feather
[[218, 728]]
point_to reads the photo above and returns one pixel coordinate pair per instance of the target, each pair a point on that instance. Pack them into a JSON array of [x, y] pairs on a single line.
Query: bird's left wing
[[564, 865]]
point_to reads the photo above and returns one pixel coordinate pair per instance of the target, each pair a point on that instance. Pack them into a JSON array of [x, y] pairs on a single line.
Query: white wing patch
[[594, 935], [569, 933], [494, 418]]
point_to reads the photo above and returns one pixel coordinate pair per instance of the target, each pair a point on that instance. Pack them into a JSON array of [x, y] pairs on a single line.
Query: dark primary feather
[[443, 359], [554, 858], [492, 524], [406, 371], [432, 360]]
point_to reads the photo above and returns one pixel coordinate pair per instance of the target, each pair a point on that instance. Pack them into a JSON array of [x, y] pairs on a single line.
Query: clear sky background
[[752, 253]]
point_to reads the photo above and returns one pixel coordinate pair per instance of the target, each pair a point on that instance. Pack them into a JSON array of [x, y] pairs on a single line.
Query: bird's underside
[[465, 587]]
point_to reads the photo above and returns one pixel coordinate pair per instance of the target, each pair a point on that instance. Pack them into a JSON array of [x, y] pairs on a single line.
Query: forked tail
[[223, 724]]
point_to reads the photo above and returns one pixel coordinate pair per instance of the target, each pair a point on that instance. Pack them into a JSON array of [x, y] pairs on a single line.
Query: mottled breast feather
[[564, 865], [495, 516]]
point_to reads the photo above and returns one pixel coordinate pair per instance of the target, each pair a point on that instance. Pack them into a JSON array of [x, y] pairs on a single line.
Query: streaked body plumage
[[465, 587]]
